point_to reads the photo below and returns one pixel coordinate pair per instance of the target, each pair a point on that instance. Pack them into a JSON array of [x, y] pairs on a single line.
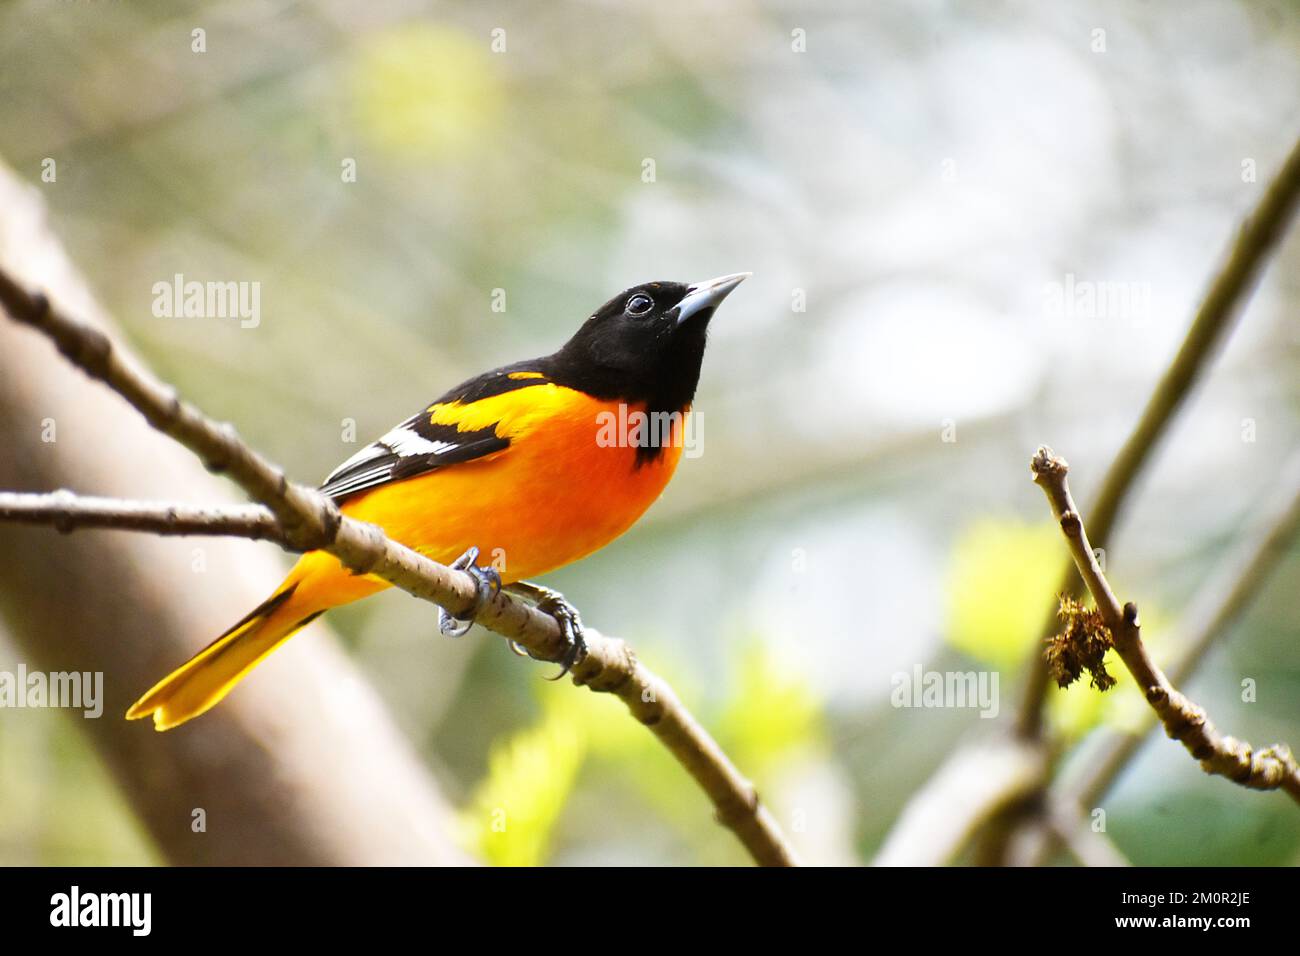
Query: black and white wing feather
[[417, 445], [413, 447]]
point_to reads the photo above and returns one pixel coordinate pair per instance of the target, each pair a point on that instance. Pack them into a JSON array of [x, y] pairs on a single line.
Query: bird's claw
[[552, 602], [489, 583], [566, 615]]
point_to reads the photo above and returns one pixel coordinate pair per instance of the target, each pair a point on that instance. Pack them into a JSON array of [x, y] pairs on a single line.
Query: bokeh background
[[909, 184]]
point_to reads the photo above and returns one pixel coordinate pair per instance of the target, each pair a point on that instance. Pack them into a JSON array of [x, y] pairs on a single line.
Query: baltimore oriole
[[516, 463]]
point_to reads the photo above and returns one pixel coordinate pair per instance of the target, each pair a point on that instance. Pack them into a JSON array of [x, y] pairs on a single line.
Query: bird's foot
[[489, 583], [552, 602]]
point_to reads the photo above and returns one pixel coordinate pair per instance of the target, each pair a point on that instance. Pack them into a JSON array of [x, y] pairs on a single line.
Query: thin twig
[[310, 520], [68, 512], [1224, 603], [1217, 312], [1220, 604], [1267, 769], [1227, 292]]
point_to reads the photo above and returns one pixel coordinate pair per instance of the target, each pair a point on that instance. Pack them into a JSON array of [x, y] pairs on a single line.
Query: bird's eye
[[639, 304]]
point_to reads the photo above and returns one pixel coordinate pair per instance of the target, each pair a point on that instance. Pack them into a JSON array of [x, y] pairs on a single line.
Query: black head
[[645, 344]]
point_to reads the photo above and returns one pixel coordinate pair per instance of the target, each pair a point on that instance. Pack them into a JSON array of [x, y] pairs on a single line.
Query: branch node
[[1047, 464], [331, 519], [610, 671], [90, 349], [1131, 615], [65, 500], [742, 805]]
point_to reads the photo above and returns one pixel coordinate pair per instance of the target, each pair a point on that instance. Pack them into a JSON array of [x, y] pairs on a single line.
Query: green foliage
[[770, 714], [424, 91], [61, 809], [1001, 576], [531, 774]]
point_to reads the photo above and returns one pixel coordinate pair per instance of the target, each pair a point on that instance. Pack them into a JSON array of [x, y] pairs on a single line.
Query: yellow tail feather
[[210, 674]]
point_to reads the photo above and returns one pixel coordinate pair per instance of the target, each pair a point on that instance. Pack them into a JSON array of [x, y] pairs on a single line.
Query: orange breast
[[567, 485]]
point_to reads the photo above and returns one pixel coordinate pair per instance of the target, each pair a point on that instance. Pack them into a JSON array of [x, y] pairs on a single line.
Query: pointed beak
[[705, 296]]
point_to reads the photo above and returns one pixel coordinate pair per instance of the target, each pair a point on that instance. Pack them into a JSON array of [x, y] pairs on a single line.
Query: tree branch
[[1211, 617], [309, 520], [1268, 769], [68, 512], [291, 772], [1228, 290], [1219, 605], [1215, 317]]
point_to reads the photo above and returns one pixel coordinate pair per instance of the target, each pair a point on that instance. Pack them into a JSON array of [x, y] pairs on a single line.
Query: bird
[[537, 464]]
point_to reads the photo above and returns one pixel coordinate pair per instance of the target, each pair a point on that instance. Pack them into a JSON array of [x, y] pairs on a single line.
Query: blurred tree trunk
[[301, 765]]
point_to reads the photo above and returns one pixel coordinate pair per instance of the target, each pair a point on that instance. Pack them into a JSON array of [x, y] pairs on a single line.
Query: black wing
[[417, 446], [412, 447]]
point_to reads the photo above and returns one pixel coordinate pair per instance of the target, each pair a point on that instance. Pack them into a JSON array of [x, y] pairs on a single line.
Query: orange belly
[[559, 492]]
